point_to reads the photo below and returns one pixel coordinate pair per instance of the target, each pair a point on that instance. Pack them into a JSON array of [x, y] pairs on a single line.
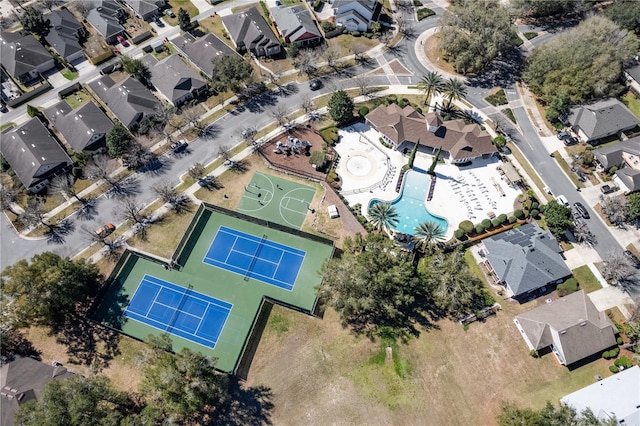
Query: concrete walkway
[[611, 297]]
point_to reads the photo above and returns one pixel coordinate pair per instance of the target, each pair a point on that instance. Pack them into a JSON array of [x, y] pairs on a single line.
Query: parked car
[[169, 13], [158, 21], [547, 190], [580, 208], [106, 230], [562, 200], [570, 141], [607, 189], [581, 176], [315, 85], [122, 41], [179, 146], [564, 135], [634, 259]]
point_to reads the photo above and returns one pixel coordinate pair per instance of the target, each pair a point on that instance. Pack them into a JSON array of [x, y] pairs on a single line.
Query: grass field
[[588, 282], [245, 295]]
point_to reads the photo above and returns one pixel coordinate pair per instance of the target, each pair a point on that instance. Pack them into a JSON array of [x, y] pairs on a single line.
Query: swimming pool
[[411, 207]]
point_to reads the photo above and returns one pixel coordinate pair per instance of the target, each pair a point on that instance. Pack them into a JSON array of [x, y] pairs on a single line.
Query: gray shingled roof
[[172, 77], [295, 23], [572, 324], [611, 155], [27, 377], [630, 178], [145, 8], [22, 53], [603, 118], [63, 35], [104, 18], [84, 128], [129, 100], [634, 72], [203, 50], [249, 29], [32, 152], [526, 258]]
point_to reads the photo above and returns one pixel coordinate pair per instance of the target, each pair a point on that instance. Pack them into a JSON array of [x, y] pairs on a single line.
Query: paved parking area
[[610, 297]]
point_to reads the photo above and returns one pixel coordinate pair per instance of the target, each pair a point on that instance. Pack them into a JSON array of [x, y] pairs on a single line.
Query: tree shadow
[[155, 167], [88, 210], [88, 343], [239, 166], [503, 72], [126, 188], [210, 183], [15, 343], [212, 131], [246, 405], [182, 205], [57, 233]]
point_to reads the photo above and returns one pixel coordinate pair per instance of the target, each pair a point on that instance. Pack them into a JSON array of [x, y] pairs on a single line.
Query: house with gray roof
[[601, 119], [174, 79], [571, 327], [250, 32], [296, 25], [525, 259], [65, 34], [23, 57], [107, 17], [33, 154], [84, 128], [614, 396], [202, 51], [129, 100], [146, 9], [21, 380], [624, 155], [356, 15]]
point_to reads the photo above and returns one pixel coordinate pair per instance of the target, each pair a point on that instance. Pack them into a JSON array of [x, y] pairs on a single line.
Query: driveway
[[610, 297]]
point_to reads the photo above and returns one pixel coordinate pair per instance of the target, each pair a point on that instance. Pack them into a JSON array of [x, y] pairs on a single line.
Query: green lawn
[[497, 98], [5, 125], [632, 103], [586, 279], [180, 4], [68, 74], [78, 98]]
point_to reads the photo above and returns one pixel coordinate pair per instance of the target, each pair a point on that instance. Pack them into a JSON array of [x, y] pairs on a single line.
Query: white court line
[[154, 299]]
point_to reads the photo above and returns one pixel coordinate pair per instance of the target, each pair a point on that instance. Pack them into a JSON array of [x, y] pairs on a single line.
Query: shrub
[[328, 26], [467, 226], [519, 214], [611, 354], [480, 228], [502, 218], [424, 12], [512, 220], [613, 170], [403, 103], [417, 3], [363, 111], [419, 109], [623, 362], [535, 214], [535, 205], [534, 353], [499, 141], [619, 340], [332, 176], [318, 159], [330, 135], [486, 223], [613, 369], [567, 287], [316, 5], [356, 33], [459, 233], [495, 222]]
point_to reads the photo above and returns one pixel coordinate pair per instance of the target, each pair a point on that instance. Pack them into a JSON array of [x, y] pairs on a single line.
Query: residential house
[[107, 17], [571, 327], [23, 57], [250, 32], [129, 100], [404, 127], [296, 25], [356, 15], [65, 34], [625, 156], [33, 154], [202, 51], [615, 396], [525, 259], [84, 128], [633, 76], [601, 119], [22, 380], [174, 79], [146, 9]]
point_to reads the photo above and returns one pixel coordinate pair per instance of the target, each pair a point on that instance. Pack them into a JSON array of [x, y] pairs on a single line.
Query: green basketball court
[[277, 200], [191, 274]]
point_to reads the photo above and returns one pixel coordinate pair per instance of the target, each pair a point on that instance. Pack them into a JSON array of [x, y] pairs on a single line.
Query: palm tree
[[429, 234], [383, 215], [454, 88], [431, 83]]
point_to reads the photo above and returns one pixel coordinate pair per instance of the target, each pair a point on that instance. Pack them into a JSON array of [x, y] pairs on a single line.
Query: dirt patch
[[295, 162], [436, 56], [399, 69]]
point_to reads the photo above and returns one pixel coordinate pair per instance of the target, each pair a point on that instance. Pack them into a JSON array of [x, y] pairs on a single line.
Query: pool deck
[[461, 193]]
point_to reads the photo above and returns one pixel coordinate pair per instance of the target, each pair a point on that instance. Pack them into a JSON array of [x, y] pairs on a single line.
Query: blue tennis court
[[255, 257], [178, 310]]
